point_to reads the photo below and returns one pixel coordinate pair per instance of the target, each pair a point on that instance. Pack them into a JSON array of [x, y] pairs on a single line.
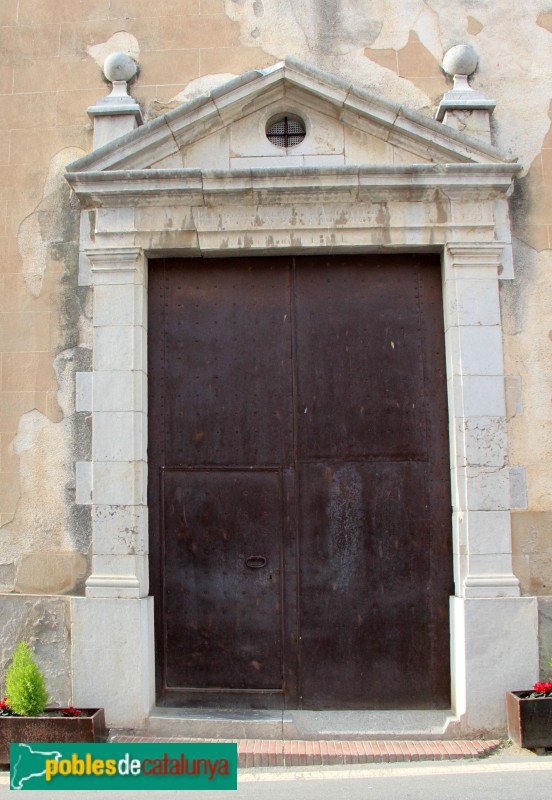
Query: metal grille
[[286, 132]]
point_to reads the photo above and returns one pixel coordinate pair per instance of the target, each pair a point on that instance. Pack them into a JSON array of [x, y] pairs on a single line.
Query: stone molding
[[297, 83], [116, 478], [470, 254], [188, 187]]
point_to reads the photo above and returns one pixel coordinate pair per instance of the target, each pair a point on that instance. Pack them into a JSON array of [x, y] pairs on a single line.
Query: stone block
[[124, 566], [9, 491], [211, 6], [120, 483], [120, 391], [113, 220], [472, 214], [183, 32], [9, 461], [6, 79], [51, 572], [518, 487], [8, 12], [362, 148], [494, 650], [478, 396], [117, 261], [27, 372], [169, 66], [14, 404], [474, 350], [143, 8], [532, 551], [37, 12], [113, 658], [5, 146], [174, 161], [28, 111], [85, 271], [402, 156], [70, 105], [514, 395], [323, 160], [120, 530], [24, 331], [122, 304], [115, 239], [469, 269], [236, 60], [119, 348], [166, 218], [119, 436], [265, 162], [471, 301], [490, 564], [481, 441], [487, 488], [482, 532], [52, 75]]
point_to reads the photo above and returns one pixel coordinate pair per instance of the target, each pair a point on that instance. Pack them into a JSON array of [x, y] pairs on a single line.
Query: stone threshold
[[304, 753], [298, 725]]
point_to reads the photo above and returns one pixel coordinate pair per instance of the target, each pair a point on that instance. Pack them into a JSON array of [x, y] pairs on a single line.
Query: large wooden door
[[299, 492]]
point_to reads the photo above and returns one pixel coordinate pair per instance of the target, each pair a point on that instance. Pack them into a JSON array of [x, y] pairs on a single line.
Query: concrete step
[[301, 725]]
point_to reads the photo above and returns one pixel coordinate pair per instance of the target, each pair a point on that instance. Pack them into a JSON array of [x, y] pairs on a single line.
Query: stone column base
[[494, 649], [113, 657]]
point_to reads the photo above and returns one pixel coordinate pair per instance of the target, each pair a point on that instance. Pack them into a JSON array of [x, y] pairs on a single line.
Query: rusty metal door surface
[[300, 531]]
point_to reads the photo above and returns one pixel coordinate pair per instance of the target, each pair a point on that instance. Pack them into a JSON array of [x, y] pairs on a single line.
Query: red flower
[[543, 688], [5, 710], [70, 712]]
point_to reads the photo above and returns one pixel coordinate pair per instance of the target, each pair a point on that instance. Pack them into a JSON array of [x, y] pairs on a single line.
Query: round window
[[286, 130]]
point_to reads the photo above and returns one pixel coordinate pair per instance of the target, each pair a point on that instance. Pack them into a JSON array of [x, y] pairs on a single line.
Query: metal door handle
[[255, 562]]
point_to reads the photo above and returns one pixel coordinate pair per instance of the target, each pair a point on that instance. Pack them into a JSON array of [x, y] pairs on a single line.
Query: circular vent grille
[[286, 131]]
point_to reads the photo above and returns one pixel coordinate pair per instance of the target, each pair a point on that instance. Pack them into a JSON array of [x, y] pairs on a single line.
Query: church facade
[[274, 390]]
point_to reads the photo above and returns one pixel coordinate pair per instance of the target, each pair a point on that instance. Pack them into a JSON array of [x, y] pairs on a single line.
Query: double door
[[298, 482]]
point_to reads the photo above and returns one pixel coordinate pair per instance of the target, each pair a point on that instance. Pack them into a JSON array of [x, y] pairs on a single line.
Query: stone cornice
[[193, 187], [475, 254], [104, 257]]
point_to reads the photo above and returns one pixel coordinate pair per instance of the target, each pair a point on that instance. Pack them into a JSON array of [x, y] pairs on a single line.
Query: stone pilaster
[[115, 481]]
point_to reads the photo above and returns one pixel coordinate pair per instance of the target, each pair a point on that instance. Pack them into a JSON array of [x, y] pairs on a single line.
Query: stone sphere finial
[[119, 67], [460, 60]]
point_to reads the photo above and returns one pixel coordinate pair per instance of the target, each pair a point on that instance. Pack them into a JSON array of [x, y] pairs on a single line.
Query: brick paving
[[303, 753]]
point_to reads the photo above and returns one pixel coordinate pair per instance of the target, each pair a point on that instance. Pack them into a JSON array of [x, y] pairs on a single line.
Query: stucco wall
[[50, 52]]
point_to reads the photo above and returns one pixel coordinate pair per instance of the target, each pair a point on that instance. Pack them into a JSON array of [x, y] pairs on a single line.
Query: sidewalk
[[299, 753]]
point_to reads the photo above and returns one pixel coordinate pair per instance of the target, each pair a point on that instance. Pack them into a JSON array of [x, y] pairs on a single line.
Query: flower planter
[[90, 727], [529, 720]]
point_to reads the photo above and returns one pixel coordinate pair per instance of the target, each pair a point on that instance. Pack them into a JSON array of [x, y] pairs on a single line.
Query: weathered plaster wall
[[44, 623], [50, 52]]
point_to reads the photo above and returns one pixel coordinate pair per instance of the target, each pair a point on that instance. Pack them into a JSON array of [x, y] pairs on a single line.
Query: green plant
[[27, 695]]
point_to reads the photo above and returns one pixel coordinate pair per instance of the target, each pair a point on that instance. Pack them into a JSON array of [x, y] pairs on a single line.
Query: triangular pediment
[[346, 125]]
